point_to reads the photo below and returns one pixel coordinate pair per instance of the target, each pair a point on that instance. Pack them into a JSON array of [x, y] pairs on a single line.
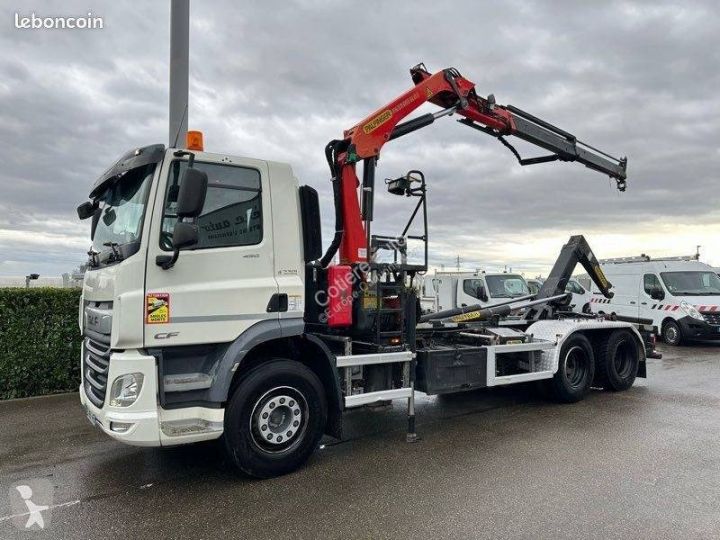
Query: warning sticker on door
[[157, 308]]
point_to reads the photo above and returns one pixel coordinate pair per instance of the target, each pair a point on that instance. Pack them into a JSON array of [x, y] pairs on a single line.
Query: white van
[[449, 290], [679, 295], [581, 297]]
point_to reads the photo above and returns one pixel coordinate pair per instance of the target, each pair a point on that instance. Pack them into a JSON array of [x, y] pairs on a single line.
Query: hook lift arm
[[455, 95]]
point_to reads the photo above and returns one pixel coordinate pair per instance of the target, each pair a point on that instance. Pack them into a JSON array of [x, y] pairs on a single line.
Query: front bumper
[[696, 329], [139, 421], [145, 423]]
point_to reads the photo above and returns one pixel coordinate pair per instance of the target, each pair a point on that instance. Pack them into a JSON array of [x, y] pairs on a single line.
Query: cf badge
[[166, 335]]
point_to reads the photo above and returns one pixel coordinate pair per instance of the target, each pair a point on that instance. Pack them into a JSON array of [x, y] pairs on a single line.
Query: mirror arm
[[166, 262], [190, 155]]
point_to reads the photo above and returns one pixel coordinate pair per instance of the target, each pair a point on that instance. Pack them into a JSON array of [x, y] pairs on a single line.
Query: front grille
[[711, 317], [96, 362]]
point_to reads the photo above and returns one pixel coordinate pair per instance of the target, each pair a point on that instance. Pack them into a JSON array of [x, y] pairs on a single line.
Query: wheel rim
[[624, 356], [575, 366], [671, 334], [279, 419]]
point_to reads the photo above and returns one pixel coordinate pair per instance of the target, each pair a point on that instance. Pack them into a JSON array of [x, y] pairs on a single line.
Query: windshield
[[507, 286], [122, 207], [691, 283]]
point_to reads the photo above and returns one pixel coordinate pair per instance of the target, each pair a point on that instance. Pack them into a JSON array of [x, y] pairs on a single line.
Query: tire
[[587, 309], [576, 370], [618, 361], [671, 333], [275, 419]]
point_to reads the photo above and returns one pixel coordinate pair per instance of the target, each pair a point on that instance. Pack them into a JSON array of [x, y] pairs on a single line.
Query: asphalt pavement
[[490, 464]]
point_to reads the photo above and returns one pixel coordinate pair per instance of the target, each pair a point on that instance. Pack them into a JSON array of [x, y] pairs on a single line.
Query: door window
[[470, 287], [651, 283], [232, 214], [574, 287]]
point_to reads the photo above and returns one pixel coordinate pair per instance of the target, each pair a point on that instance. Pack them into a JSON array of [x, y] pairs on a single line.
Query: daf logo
[[166, 335]]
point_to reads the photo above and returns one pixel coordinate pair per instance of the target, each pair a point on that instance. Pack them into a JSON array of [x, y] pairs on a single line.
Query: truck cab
[[136, 310], [450, 290]]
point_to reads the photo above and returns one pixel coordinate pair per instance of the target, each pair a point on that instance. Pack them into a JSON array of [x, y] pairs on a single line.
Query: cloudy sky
[[633, 78]]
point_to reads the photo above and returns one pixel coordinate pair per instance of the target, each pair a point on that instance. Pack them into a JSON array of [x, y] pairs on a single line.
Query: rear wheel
[[671, 333], [576, 369], [618, 361], [275, 418]]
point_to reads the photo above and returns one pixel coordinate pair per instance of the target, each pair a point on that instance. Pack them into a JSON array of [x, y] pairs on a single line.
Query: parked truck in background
[[678, 295], [447, 290], [581, 296], [210, 310]]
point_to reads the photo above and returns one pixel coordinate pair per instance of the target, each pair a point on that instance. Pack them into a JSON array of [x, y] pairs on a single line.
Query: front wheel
[[576, 369], [275, 418], [671, 333]]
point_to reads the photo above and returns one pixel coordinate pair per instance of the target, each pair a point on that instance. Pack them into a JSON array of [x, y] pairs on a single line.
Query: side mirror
[[184, 235], [481, 293], [657, 294], [87, 209], [190, 202], [191, 198]]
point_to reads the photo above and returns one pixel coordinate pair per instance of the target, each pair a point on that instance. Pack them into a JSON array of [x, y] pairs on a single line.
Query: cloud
[[632, 78]]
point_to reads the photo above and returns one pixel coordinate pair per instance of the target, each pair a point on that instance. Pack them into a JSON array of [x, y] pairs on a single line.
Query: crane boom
[[455, 95]]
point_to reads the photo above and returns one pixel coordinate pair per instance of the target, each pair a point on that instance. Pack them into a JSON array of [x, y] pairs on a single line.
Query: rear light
[[339, 308]]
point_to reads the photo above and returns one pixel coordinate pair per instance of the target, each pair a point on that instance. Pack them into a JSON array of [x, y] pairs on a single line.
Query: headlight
[[691, 310], [126, 389]]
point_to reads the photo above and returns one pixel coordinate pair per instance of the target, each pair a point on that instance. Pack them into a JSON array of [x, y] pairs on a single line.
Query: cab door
[[625, 301], [221, 286], [650, 296], [468, 291]]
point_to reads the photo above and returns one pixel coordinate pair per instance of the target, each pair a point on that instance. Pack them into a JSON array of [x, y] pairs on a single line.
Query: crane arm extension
[[456, 94], [577, 250]]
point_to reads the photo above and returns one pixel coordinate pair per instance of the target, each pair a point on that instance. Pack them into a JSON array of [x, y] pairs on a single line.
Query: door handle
[[632, 302], [644, 303], [278, 302]]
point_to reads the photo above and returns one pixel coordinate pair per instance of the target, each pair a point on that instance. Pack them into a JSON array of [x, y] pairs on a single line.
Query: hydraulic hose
[[330, 154]]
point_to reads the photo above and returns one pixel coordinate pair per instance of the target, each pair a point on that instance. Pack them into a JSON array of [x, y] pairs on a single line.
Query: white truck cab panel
[[223, 285]]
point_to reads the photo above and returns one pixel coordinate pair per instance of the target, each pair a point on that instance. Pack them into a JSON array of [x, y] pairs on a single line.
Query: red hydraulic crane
[[455, 95]]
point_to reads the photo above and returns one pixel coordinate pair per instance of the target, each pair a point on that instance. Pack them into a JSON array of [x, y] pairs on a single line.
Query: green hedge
[[39, 341]]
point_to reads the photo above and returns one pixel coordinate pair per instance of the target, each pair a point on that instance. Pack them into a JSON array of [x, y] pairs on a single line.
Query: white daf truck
[[208, 309]]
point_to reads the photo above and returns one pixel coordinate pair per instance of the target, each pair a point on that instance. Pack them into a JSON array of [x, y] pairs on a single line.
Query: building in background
[[66, 280]]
